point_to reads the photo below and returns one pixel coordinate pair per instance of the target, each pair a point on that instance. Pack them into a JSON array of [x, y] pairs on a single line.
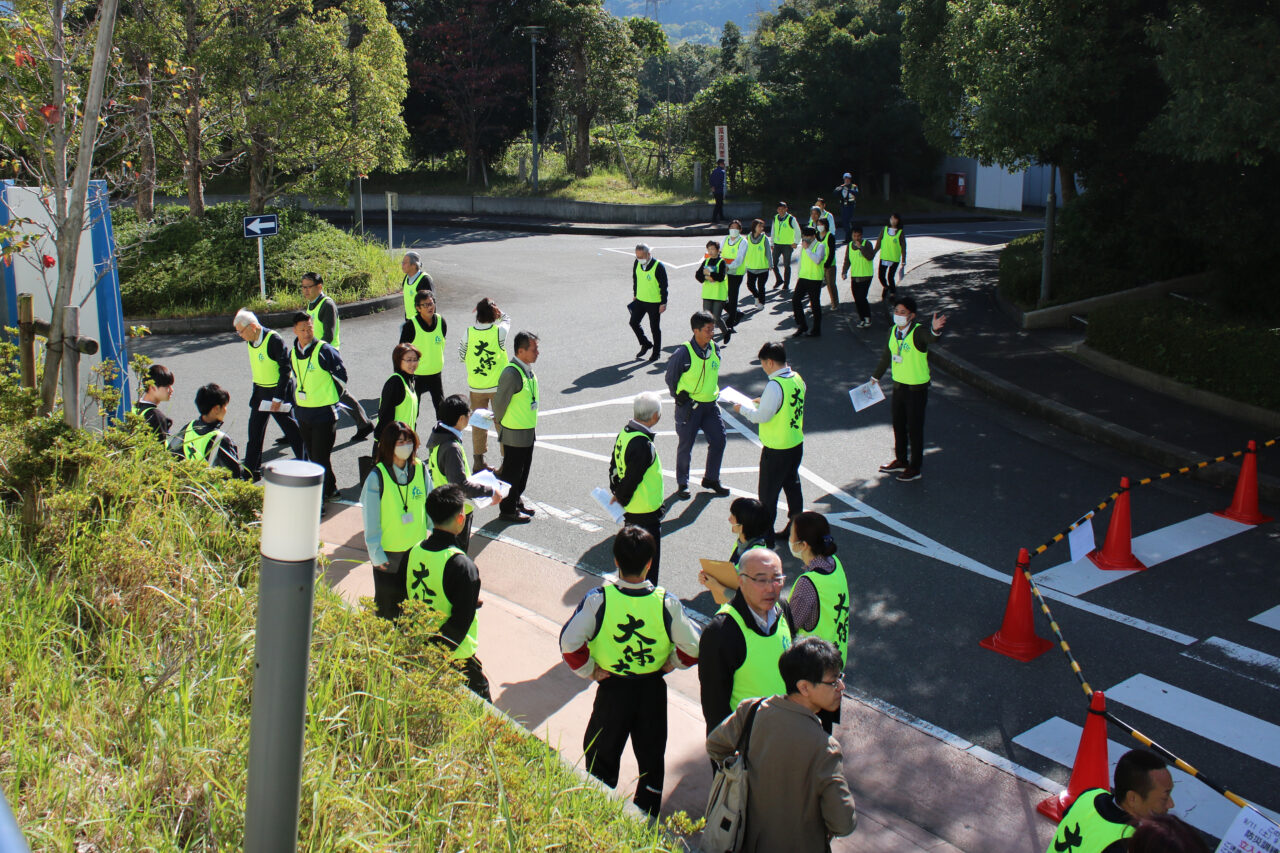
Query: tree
[[730, 46], [465, 61], [594, 70], [53, 144], [317, 92], [744, 105]]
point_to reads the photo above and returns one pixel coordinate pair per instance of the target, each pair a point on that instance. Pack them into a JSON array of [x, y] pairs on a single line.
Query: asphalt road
[[929, 561]]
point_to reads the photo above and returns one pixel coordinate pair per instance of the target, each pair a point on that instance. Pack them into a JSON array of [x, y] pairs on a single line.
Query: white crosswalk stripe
[[1269, 618]]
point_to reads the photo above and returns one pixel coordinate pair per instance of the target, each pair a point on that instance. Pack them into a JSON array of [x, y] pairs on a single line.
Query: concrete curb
[[1094, 428], [273, 320]]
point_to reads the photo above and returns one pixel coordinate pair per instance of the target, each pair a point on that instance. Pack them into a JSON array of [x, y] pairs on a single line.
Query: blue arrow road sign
[[264, 225]]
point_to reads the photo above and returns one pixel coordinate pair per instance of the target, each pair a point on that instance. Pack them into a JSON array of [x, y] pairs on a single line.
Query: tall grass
[[126, 642]]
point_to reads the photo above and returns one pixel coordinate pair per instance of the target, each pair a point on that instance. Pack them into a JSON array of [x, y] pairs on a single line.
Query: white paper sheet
[[265, 406], [488, 478], [1250, 832], [481, 419], [605, 498], [1081, 540], [733, 397], [867, 394]]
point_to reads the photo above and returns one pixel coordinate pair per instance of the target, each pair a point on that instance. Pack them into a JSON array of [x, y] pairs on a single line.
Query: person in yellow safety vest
[[892, 247], [813, 257], [635, 473], [515, 412], [1101, 821], [820, 599], [908, 353], [439, 573], [712, 275], [739, 649], [626, 635], [746, 521], [693, 378], [784, 235], [858, 269], [779, 414], [734, 252], [427, 331], [756, 254], [393, 504], [448, 461], [398, 401], [799, 798], [483, 349], [272, 377], [319, 377], [648, 299], [157, 389], [415, 281], [827, 235], [326, 322], [203, 438]]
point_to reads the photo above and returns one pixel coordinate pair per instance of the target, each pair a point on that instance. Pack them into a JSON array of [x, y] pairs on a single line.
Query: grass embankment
[[127, 614], [175, 266]]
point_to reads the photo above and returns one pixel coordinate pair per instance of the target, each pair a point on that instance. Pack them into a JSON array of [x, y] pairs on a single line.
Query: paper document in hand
[[489, 479], [605, 498], [734, 397], [481, 419], [866, 394], [265, 406]]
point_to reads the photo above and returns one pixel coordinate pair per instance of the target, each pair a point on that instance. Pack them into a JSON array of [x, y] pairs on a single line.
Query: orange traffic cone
[[1090, 768], [1244, 506], [1017, 635], [1117, 550]]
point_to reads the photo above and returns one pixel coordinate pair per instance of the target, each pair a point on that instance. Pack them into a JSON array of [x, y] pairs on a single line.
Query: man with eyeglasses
[[325, 321], [800, 799], [739, 650]]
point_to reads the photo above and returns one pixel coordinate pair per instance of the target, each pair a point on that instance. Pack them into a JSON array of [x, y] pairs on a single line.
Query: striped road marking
[[1237, 660], [1151, 548], [1269, 618]]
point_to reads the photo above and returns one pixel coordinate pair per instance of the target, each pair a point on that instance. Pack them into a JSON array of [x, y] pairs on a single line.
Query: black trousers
[[756, 282], [731, 304], [258, 429], [859, 287], [389, 587], [319, 439], [430, 383], [477, 681], [783, 254], [908, 422], [652, 522], [717, 213], [633, 708], [887, 273], [639, 310], [780, 473], [811, 289], [515, 470]]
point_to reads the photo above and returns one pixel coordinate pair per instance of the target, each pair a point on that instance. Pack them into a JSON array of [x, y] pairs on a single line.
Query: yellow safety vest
[[522, 411], [316, 388], [833, 608], [757, 257], [811, 270], [410, 289], [485, 357], [633, 638], [431, 345], [890, 245], [437, 473], [647, 289], [648, 495], [424, 577], [319, 326], [910, 366], [265, 369], [403, 511], [784, 232], [786, 428], [859, 265], [758, 675], [702, 378]]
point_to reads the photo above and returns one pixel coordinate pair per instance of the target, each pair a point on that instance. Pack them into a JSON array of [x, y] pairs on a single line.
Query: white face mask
[[900, 321], [404, 451], [893, 231], [822, 229], [796, 551], [734, 232]]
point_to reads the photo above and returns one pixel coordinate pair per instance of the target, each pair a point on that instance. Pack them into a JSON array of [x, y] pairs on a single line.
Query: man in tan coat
[[798, 798]]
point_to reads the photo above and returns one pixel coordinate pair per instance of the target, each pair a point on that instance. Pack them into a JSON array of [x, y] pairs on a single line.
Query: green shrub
[[177, 266], [1195, 345], [127, 619]]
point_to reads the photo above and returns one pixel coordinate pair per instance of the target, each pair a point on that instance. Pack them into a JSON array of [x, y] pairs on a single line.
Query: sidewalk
[[914, 792], [1034, 372]]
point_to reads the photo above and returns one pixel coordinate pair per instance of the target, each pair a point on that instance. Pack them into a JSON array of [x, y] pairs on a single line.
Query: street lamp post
[[534, 33]]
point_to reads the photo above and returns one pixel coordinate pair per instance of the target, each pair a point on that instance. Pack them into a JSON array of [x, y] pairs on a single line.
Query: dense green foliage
[[174, 265], [127, 610], [1198, 345]]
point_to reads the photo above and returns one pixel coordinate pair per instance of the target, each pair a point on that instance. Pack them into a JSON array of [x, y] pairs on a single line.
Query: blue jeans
[[689, 420]]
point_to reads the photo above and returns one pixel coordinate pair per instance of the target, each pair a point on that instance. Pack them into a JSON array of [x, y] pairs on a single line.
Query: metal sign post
[[393, 203], [257, 227]]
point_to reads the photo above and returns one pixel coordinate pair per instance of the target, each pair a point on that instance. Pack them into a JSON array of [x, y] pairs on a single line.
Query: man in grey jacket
[[799, 797], [515, 412]]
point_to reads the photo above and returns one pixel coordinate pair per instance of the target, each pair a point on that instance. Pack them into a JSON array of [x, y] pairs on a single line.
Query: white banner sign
[[1251, 833], [722, 143]]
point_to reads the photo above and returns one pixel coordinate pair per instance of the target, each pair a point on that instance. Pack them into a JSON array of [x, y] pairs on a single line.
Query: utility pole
[[1046, 262], [535, 32]]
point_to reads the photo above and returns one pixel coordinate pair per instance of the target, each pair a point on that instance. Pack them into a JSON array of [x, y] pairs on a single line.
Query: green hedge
[[175, 266], [1199, 346], [128, 599], [1075, 275]]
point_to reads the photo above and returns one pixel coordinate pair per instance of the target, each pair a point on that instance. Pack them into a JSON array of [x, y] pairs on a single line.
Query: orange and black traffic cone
[[1117, 550], [1091, 767], [1017, 635], [1244, 506]]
